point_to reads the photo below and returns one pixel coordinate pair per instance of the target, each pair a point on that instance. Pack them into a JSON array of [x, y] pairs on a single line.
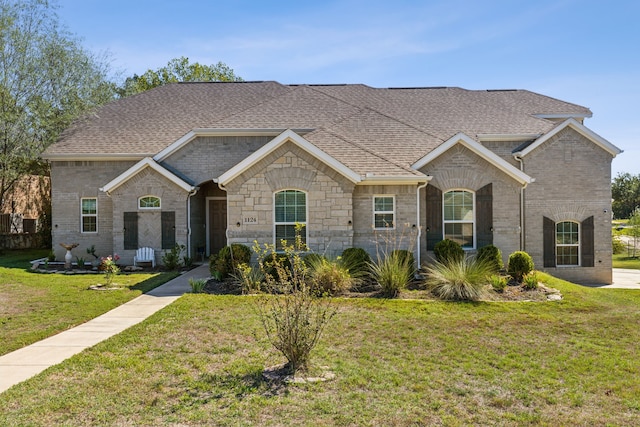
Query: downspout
[[518, 158], [420, 187]]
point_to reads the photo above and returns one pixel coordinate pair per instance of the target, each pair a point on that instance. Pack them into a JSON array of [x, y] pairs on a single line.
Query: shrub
[[294, 320], [213, 260], [109, 266], [447, 250], [357, 261], [617, 245], [249, 277], [197, 285], [498, 283], [530, 281], [171, 259], [461, 280], [491, 254], [229, 257], [328, 277], [520, 263], [312, 258], [393, 272]]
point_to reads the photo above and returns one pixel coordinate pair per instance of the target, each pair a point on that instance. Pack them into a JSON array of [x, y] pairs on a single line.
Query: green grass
[[34, 306], [623, 260], [398, 363]]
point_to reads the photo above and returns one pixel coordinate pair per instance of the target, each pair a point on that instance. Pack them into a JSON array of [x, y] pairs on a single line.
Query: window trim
[[473, 222], [392, 212], [564, 245], [306, 214], [146, 208], [83, 215]]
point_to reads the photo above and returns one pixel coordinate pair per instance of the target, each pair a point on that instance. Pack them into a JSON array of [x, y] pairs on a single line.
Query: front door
[[217, 225]]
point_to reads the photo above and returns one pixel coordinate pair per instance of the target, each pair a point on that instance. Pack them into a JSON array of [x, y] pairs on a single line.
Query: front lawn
[[623, 260], [35, 306], [398, 363]]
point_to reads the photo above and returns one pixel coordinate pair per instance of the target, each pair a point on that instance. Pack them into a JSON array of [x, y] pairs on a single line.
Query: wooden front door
[[217, 225]]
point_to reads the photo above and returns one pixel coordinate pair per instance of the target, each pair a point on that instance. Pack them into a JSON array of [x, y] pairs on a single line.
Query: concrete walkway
[[624, 278], [26, 362]]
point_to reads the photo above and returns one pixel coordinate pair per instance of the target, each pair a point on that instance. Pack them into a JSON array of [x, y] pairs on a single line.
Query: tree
[[177, 70], [46, 81], [625, 190]]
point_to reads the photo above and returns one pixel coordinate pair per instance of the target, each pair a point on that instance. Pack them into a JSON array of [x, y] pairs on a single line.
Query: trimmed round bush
[[520, 264], [356, 260], [229, 257], [491, 255], [447, 250]]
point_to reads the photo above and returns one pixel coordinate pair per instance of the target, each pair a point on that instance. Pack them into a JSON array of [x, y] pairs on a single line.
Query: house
[[209, 164]]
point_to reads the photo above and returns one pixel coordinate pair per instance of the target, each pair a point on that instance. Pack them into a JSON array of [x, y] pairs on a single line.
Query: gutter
[[191, 193], [518, 158]]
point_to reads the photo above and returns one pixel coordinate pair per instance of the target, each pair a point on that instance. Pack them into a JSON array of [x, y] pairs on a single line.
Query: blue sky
[[582, 51]]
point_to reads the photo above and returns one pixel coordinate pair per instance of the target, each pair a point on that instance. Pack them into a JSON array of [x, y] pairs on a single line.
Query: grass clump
[[357, 261], [197, 285], [530, 281], [498, 282], [459, 280], [393, 272], [329, 277]]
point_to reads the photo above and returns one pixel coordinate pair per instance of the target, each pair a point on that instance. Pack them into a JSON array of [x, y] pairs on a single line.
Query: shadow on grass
[[217, 387], [155, 281]]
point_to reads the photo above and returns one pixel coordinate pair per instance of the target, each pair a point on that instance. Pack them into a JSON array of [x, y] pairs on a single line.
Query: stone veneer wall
[[71, 181], [329, 200], [460, 168], [573, 182]]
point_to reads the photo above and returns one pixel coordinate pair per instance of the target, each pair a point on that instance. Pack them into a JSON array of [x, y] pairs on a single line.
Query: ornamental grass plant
[[463, 279]]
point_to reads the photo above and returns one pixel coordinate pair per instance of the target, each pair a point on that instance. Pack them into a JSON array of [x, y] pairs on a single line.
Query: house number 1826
[[250, 220]]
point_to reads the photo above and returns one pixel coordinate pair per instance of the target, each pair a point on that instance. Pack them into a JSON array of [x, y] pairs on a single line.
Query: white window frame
[[473, 221], [276, 241], [568, 245], [92, 215], [392, 212], [145, 208]]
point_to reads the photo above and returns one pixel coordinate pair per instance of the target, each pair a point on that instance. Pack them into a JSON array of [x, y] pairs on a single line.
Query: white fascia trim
[[394, 180], [563, 116], [287, 136], [478, 149], [194, 133], [147, 162], [507, 137], [582, 130]]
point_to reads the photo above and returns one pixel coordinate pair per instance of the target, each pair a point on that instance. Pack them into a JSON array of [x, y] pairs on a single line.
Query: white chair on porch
[[145, 255]]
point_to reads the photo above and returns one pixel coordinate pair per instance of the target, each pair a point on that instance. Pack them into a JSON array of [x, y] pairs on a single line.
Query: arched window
[[567, 243], [149, 202], [458, 213], [290, 208]]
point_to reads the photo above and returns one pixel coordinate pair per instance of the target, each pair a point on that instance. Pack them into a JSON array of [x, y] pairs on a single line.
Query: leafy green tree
[[634, 232], [46, 81], [177, 70], [625, 190]]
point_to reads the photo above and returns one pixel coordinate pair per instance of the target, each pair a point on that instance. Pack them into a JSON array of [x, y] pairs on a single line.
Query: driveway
[[624, 278]]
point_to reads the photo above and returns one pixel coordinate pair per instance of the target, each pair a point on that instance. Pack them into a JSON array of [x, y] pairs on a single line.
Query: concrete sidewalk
[[26, 362]]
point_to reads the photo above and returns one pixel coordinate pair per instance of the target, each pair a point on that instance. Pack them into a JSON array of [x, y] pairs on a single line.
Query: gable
[[579, 128], [143, 165], [288, 136], [478, 149]]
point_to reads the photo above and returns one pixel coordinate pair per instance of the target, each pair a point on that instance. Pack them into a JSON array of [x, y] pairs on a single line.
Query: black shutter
[[168, 230], [484, 216], [549, 242], [131, 230], [434, 216], [586, 242]]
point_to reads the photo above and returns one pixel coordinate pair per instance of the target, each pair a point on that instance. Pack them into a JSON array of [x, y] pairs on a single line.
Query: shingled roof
[[364, 128]]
